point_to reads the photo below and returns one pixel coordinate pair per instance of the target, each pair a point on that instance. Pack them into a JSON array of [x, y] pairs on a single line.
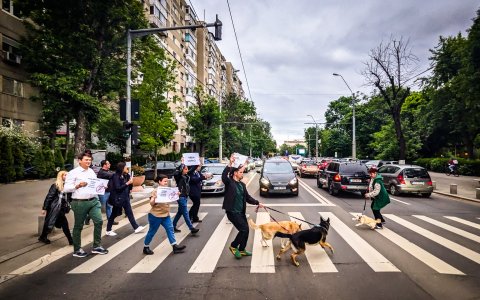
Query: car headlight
[[264, 181], [219, 183], [293, 181]]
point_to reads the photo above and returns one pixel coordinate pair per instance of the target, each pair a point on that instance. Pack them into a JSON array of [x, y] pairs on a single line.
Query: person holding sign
[[195, 194], [121, 184], [83, 204], [182, 179], [234, 204], [160, 215]]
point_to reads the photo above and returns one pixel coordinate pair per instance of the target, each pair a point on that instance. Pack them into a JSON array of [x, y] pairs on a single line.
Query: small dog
[[272, 229], [312, 236], [363, 219]]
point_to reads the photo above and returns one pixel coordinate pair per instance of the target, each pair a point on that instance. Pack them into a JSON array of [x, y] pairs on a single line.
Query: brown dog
[[270, 230]]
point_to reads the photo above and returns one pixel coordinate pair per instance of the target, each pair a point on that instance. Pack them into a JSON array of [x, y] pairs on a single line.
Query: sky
[[291, 48]]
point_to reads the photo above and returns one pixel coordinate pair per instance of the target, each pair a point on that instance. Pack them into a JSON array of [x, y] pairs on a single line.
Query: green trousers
[[80, 211]]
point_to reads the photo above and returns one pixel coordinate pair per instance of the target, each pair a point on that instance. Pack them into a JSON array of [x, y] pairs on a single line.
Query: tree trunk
[[399, 133], [67, 137], [155, 165], [80, 132]]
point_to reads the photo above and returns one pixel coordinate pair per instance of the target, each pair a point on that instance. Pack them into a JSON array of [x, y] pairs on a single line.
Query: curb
[[457, 196]]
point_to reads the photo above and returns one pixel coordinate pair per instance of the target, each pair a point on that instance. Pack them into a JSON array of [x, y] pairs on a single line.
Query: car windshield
[[353, 169], [277, 168], [416, 173], [215, 170], [308, 163]]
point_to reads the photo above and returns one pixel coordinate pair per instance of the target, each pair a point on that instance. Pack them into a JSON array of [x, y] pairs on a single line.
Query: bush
[[59, 161], [70, 157], [466, 166], [138, 171], [7, 173], [114, 159], [38, 164], [19, 162], [49, 162]]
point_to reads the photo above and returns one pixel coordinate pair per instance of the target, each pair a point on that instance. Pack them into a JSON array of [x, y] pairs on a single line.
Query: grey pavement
[[466, 185]]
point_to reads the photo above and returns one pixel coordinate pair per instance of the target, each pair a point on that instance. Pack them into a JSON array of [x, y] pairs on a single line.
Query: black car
[[278, 177], [163, 167], [344, 176]]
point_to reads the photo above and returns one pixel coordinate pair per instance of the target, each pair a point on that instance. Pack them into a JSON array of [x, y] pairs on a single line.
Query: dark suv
[[344, 176], [163, 167]]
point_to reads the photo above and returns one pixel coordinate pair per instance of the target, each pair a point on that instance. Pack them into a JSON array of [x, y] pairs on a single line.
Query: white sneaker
[[111, 233], [139, 229]]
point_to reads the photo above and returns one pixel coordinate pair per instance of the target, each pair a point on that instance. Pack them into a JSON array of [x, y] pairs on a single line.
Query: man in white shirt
[[83, 204]]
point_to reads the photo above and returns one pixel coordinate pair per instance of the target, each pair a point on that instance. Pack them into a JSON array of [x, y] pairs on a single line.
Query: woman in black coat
[[120, 185], [55, 206]]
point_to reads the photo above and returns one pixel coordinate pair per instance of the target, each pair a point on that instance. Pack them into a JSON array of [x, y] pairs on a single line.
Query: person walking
[[121, 184], [55, 206], [195, 193], [182, 179], [234, 204], [83, 204], [379, 196], [105, 173], [160, 215]]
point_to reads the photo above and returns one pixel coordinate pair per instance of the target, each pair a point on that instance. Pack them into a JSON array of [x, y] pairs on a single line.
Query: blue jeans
[[182, 211], [155, 223], [103, 199]]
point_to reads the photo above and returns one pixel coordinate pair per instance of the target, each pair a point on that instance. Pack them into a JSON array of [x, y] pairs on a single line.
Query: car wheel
[[331, 189], [263, 194], [427, 195], [393, 190]]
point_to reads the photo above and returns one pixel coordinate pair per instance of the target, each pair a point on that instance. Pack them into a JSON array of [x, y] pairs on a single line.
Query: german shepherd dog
[[270, 230], [312, 236]]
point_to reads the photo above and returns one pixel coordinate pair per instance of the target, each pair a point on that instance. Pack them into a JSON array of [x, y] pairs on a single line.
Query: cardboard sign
[[95, 186], [165, 195], [239, 160], [191, 159]]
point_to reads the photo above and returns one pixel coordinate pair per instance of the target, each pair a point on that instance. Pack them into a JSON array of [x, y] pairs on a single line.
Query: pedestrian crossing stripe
[[471, 224], [450, 228], [262, 257]]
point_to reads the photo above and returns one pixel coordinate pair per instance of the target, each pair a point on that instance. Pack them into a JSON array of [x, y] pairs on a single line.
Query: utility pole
[[354, 142], [316, 136]]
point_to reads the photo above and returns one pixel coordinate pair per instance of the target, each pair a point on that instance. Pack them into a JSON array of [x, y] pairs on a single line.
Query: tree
[[38, 163], [156, 119], [390, 67], [204, 120], [6, 160], [59, 161], [81, 76], [49, 162]]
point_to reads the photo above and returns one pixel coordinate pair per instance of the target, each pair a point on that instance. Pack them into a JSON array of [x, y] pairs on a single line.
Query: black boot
[[178, 249], [194, 230], [70, 240], [147, 251], [176, 230], [44, 239]]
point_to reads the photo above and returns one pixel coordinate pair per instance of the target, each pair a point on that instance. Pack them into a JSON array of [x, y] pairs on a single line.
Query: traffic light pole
[[147, 31]]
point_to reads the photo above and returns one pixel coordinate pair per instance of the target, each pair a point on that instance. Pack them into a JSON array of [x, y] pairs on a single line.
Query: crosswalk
[[404, 234]]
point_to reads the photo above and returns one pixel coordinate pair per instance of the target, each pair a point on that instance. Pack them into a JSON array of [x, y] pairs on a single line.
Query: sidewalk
[[466, 185]]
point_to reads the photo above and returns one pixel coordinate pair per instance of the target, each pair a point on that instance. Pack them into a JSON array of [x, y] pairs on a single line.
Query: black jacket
[[102, 174], [53, 206], [119, 189], [195, 182], [230, 188], [183, 182]]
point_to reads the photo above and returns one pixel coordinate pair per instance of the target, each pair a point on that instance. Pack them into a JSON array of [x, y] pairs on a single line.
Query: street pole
[[354, 140], [128, 117], [316, 136], [250, 142], [220, 143]]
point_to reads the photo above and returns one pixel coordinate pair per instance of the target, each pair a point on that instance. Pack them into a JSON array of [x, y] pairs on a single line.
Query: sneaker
[[175, 229], [246, 253], [139, 229], [115, 223], [235, 252], [197, 221], [378, 227], [111, 233], [80, 253], [99, 250], [194, 230], [178, 249], [44, 240], [147, 251]]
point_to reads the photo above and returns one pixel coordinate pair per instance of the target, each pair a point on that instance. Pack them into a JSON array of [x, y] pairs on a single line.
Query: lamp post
[[354, 142], [316, 136]]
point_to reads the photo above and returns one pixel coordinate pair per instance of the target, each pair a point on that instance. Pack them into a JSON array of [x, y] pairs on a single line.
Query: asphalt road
[[421, 254]]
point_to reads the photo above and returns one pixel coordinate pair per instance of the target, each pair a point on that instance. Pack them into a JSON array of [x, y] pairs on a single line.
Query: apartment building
[[16, 108]]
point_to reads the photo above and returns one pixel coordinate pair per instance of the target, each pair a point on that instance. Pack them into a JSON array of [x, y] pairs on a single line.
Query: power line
[[238, 46]]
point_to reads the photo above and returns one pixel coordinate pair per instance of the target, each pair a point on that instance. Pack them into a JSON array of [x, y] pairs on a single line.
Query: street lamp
[[316, 136], [354, 143]]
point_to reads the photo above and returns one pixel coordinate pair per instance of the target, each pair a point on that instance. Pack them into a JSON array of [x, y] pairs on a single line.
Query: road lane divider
[[315, 194]]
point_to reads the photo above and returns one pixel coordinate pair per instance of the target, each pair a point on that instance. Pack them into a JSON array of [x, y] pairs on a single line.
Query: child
[[160, 215]]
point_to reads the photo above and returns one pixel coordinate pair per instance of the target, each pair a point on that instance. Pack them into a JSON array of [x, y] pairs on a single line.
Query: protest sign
[[239, 160], [165, 195], [95, 186], [191, 159]]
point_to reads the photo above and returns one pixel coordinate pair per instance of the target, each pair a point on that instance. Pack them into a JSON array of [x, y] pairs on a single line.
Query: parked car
[[344, 176], [258, 162], [163, 167], [213, 185], [278, 177], [379, 163], [399, 179], [323, 163], [308, 168]]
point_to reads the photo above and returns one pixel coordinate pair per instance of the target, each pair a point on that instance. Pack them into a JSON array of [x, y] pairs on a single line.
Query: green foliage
[[70, 157], [6, 160], [114, 158], [38, 164], [19, 161], [59, 161], [49, 162], [137, 170], [465, 166]]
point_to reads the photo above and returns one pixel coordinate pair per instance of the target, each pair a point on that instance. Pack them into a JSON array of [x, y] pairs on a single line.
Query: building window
[[12, 86], [174, 146], [6, 122], [18, 122], [7, 5]]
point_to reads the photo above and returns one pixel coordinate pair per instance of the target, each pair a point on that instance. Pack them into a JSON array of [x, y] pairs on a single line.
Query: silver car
[[399, 179], [213, 185]]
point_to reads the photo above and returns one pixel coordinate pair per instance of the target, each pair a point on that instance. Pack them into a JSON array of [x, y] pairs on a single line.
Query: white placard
[[128, 164], [95, 186], [239, 160], [165, 195], [191, 159]]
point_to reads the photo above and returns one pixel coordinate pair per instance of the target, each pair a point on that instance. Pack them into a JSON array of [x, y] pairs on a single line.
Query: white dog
[[363, 219]]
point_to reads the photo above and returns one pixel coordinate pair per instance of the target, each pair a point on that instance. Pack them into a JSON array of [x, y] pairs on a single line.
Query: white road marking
[[471, 224], [406, 203], [472, 255], [270, 204], [207, 259], [369, 254], [250, 180], [430, 260], [315, 194], [450, 228], [262, 257], [151, 262], [317, 257]]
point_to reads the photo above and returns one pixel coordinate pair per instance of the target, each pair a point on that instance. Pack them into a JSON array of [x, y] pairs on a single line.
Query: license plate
[[208, 187], [355, 180], [417, 183], [279, 188]]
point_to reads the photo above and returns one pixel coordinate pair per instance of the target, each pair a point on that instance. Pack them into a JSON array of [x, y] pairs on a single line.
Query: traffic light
[[218, 30], [135, 135], [127, 129]]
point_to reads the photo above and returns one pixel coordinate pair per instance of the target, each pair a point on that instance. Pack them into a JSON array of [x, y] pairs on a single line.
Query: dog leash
[[272, 218], [265, 207]]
